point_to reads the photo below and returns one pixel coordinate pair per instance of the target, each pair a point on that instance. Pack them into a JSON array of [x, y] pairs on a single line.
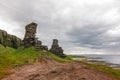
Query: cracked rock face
[[56, 49], [30, 37], [9, 40]]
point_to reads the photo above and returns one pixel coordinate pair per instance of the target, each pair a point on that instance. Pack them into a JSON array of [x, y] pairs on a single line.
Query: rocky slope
[[52, 70]]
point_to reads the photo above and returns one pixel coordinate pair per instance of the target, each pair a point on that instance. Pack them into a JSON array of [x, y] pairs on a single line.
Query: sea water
[[114, 59]]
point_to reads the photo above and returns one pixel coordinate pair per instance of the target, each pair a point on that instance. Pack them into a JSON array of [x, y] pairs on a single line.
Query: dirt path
[[52, 70]]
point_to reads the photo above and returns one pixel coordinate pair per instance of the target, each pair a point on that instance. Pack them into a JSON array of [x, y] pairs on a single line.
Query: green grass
[[108, 70], [10, 58], [57, 58], [74, 56]]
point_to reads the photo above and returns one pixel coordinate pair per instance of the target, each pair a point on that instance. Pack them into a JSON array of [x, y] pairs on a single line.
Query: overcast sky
[[81, 26]]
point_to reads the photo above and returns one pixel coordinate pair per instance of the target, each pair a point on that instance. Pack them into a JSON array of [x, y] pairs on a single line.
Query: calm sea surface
[[115, 59]]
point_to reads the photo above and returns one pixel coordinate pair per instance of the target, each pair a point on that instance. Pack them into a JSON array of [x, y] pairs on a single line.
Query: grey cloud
[[94, 37], [80, 23]]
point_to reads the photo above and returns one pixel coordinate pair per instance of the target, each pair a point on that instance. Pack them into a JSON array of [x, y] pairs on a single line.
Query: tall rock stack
[[30, 37], [56, 49]]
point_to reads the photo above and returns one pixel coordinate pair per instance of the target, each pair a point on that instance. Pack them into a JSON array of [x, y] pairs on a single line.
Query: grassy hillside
[[10, 58]]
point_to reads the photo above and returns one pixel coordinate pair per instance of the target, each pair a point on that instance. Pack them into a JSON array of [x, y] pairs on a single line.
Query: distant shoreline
[[92, 61]]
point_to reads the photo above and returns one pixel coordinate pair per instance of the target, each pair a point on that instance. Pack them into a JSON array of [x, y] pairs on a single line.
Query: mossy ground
[[10, 58]]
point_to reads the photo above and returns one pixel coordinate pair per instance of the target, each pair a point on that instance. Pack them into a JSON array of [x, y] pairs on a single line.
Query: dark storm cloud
[[78, 24], [88, 36], [94, 36]]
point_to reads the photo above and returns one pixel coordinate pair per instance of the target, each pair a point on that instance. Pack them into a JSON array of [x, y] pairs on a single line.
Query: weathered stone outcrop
[[39, 46], [9, 40], [56, 49], [30, 38]]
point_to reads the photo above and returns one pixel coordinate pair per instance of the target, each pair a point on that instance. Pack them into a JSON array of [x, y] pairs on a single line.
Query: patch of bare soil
[[52, 70]]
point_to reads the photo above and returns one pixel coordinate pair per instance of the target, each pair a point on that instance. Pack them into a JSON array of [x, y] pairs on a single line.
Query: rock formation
[[30, 38], [39, 46], [9, 40], [56, 49]]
